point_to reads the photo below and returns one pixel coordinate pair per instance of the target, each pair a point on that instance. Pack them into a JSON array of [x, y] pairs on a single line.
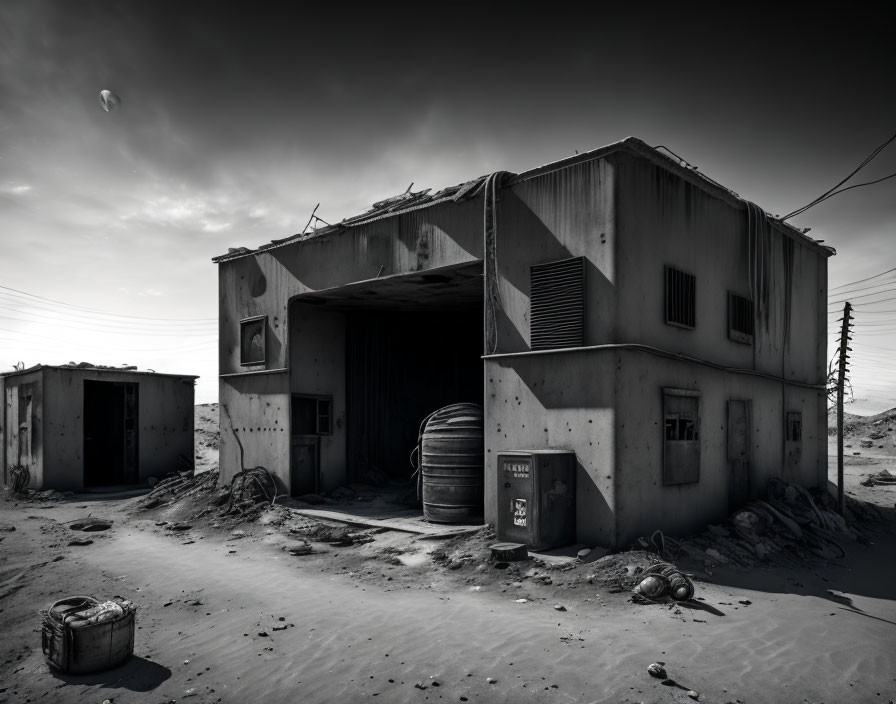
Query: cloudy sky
[[237, 118]]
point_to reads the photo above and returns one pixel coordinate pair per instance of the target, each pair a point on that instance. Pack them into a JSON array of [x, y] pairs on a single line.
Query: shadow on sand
[[137, 674]]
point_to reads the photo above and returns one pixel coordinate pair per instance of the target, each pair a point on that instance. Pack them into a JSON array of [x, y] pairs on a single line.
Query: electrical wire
[[94, 310], [833, 191], [861, 281]]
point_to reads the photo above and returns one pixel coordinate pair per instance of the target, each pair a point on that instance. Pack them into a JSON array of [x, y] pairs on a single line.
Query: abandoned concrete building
[[75, 427], [615, 304]]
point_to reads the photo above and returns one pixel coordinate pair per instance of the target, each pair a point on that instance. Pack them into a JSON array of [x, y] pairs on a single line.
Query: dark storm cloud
[[237, 118]]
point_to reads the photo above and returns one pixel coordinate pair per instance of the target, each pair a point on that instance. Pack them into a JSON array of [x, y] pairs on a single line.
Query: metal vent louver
[[557, 297]]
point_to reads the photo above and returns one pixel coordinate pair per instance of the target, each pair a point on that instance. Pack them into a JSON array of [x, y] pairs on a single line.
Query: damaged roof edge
[[640, 148], [63, 367], [470, 189]]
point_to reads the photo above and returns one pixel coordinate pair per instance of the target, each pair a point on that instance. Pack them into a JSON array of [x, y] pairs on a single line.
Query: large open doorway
[[387, 352], [110, 433], [400, 367]]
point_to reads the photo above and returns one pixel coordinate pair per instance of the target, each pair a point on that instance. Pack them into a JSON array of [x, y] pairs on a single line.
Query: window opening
[[252, 340], [794, 431], [681, 298], [681, 439], [740, 319]]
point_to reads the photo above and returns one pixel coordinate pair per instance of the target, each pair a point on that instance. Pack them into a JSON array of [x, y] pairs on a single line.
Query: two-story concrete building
[[615, 304]]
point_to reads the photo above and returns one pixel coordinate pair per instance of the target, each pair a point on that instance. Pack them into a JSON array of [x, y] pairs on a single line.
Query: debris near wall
[[881, 478], [89, 365], [177, 486], [790, 526]]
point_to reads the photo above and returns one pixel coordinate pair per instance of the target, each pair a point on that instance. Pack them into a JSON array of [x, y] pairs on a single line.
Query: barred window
[[740, 319], [681, 298]]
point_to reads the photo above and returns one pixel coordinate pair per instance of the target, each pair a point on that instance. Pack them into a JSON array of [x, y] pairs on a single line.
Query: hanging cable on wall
[[490, 255]]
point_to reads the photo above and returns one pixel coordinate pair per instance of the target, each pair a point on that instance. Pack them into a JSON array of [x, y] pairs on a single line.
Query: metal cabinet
[[537, 498]]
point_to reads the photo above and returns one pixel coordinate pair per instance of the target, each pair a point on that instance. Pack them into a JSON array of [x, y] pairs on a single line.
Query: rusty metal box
[[537, 498], [77, 647]]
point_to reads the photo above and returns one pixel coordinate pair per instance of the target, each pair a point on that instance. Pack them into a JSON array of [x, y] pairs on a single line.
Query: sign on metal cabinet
[[519, 512]]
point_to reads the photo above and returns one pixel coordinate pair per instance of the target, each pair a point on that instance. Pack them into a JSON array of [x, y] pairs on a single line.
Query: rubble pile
[[178, 486], [791, 525], [881, 478]]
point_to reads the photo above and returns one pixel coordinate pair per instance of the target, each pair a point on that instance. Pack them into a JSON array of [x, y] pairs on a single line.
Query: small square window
[[794, 429], [252, 340], [681, 298], [312, 415], [740, 319]]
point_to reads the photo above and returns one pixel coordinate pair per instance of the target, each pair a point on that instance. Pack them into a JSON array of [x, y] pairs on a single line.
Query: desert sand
[[228, 614]]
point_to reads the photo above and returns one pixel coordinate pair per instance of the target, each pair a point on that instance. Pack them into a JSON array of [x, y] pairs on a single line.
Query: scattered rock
[[420, 685], [91, 524], [657, 670], [7, 527], [80, 541], [521, 601], [745, 602], [693, 695], [583, 553], [180, 526], [559, 607], [491, 680]]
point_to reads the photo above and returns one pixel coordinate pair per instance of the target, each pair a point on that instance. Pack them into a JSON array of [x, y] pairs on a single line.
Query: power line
[[833, 191], [130, 333], [103, 326], [888, 282], [861, 281], [867, 295], [94, 310]]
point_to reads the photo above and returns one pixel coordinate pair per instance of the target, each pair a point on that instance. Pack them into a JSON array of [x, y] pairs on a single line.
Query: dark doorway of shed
[[110, 433], [400, 367]]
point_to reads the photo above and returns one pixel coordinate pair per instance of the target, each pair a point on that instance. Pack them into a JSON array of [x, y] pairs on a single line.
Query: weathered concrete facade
[[65, 423], [454, 272]]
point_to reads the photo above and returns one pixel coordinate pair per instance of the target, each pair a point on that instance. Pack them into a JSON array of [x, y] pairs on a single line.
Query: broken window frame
[[245, 345], [740, 319], [681, 436], [323, 413], [793, 426]]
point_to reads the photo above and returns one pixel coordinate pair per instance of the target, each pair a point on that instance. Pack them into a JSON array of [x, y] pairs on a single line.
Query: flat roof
[[410, 201], [83, 367]]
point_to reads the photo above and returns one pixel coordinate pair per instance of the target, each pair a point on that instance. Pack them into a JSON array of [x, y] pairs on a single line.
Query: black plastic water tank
[[451, 451]]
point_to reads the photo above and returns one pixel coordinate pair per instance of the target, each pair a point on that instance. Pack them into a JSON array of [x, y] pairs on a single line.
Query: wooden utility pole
[[841, 381]]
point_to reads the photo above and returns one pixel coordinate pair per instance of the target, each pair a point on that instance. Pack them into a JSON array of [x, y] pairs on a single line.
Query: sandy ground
[[230, 616]]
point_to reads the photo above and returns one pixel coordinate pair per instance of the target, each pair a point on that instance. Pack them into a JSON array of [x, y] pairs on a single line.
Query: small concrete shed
[[81, 426]]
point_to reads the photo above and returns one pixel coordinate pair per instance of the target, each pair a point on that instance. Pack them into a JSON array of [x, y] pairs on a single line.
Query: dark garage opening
[[110, 433], [413, 344], [400, 368]]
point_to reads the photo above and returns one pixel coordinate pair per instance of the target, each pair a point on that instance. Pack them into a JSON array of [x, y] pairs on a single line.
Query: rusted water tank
[[451, 450]]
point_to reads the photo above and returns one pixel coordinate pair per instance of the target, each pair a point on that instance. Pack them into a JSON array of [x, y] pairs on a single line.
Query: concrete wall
[[263, 284], [257, 408], [560, 400], [9, 430], [317, 368], [562, 214], [643, 503], [164, 416], [629, 217], [664, 219]]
